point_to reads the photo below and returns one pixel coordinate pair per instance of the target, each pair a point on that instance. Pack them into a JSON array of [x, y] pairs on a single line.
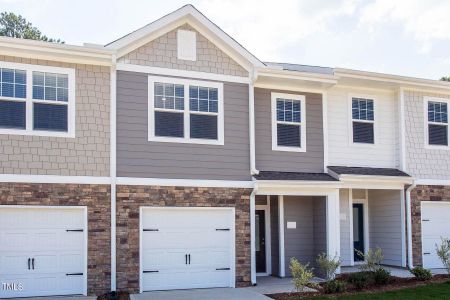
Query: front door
[[358, 230], [260, 240]]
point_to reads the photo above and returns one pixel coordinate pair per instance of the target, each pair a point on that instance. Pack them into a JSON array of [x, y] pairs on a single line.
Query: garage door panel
[[17, 240], [184, 231], [13, 263]]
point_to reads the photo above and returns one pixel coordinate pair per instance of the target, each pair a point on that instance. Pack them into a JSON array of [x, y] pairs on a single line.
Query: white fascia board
[[432, 181], [375, 179], [54, 179], [401, 80], [184, 182], [286, 74], [54, 52]]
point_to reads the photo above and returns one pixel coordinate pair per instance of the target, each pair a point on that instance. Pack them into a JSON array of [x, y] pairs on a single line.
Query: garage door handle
[[32, 263], [222, 229], [426, 253], [29, 259], [189, 256], [74, 230], [151, 229], [426, 220], [74, 274], [222, 269], [151, 271]]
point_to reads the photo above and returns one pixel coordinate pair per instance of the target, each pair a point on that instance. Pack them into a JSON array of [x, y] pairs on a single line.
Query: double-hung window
[[437, 121], [37, 100], [185, 111], [363, 120], [288, 122]]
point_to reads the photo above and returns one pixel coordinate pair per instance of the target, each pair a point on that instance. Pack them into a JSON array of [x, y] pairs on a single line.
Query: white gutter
[[112, 170], [409, 224], [252, 234], [251, 112]]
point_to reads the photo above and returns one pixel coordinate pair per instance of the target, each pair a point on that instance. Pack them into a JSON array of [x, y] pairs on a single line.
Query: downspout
[[112, 170], [252, 234], [409, 224]]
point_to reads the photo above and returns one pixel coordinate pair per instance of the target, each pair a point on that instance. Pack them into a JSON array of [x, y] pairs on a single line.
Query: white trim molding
[[282, 254], [54, 179], [29, 100], [184, 182], [301, 124], [185, 111]]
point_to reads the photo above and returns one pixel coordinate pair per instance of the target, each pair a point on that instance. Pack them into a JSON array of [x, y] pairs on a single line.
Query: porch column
[[333, 224]]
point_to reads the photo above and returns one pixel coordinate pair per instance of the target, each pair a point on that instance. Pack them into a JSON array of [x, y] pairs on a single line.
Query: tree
[[16, 26], [445, 78]]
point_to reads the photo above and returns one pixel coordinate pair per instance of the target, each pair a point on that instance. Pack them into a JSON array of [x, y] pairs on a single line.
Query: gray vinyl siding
[[137, 157], [346, 250], [320, 225], [385, 224], [268, 160], [299, 242], [275, 237]]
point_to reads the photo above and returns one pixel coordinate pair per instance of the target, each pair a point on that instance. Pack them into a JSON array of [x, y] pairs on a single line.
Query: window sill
[[38, 133], [288, 149], [363, 145], [185, 141]]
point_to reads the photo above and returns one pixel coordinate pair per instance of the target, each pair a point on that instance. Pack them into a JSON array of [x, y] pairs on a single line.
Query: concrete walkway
[[273, 285], [202, 294]]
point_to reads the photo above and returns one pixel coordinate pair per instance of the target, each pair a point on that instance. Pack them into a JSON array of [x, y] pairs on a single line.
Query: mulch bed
[[121, 296], [395, 283]]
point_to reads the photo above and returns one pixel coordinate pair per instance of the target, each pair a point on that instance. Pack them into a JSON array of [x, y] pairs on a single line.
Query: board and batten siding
[[341, 151], [422, 162], [269, 160], [138, 157], [385, 224]]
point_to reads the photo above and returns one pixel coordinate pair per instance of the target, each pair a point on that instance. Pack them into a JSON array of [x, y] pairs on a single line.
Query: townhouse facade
[[172, 158]]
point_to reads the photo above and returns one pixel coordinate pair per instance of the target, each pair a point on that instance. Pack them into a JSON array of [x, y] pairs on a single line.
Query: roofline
[[54, 51], [185, 11], [399, 79], [288, 74]]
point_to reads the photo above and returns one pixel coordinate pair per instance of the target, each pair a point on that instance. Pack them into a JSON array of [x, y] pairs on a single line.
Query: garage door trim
[[85, 229], [232, 232], [422, 203]]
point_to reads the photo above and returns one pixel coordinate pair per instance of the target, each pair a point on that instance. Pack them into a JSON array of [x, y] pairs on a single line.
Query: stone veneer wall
[[162, 52], [131, 198], [97, 200], [85, 155], [419, 194]]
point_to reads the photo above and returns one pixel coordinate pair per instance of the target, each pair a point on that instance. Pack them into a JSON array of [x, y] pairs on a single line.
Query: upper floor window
[[37, 100], [288, 122], [363, 121], [185, 111], [437, 121]]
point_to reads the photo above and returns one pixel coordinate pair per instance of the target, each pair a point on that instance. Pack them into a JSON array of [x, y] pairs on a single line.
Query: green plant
[[359, 280], [327, 265], [421, 273], [372, 259], [301, 274], [381, 276], [443, 251], [334, 286]]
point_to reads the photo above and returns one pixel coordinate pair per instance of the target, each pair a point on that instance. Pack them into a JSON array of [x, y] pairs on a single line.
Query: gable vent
[[187, 45]]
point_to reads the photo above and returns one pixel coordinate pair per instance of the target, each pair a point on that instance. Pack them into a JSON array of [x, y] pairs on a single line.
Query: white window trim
[[186, 139], [374, 122], [426, 123], [302, 124], [182, 37], [29, 69]]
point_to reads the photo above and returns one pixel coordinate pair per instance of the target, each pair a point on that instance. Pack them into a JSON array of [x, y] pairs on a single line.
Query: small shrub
[[421, 273], [443, 251], [381, 276], [359, 280], [334, 286], [327, 265], [372, 259], [301, 274]]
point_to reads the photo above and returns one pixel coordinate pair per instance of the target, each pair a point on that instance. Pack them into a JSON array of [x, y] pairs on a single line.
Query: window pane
[[214, 106], [20, 91], [159, 103], [169, 124], [169, 103], [203, 93], [437, 112], [50, 79], [213, 94], [288, 135], [50, 93], [50, 117], [62, 94], [12, 114], [363, 133], [179, 103], [38, 78], [280, 104], [20, 77], [159, 89], [7, 89], [288, 110], [8, 75], [203, 127], [38, 92], [169, 89], [193, 91], [193, 104], [280, 115], [179, 90], [296, 117], [437, 135], [63, 81], [362, 109], [203, 105]]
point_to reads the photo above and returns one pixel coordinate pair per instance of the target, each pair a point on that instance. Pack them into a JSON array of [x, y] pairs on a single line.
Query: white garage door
[[185, 248], [435, 224], [42, 251]]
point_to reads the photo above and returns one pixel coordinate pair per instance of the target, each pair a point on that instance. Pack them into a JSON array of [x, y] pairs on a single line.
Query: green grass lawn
[[430, 291]]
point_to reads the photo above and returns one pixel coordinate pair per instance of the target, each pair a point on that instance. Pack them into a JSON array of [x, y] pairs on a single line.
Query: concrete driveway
[[202, 294]]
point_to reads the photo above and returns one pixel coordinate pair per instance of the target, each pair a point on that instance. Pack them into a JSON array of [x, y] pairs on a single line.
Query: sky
[[403, 37]]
